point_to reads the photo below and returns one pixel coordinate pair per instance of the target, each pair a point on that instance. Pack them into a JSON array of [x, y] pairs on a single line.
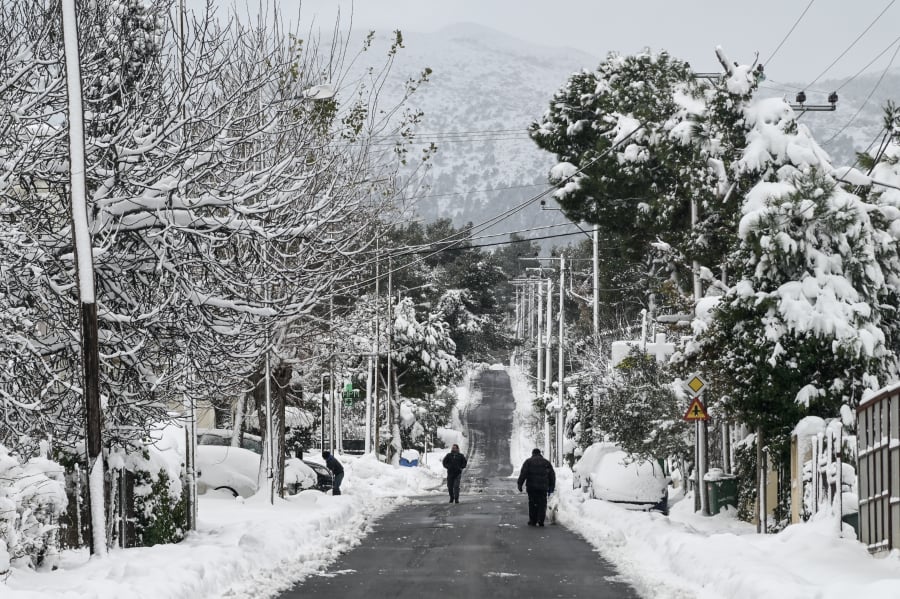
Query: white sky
[[689, 29]]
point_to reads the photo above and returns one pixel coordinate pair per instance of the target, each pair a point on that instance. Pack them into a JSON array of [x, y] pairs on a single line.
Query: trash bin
[[852, 520], [721, 489]]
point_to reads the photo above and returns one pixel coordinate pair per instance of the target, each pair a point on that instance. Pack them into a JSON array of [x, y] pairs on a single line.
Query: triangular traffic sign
[[696, 411]]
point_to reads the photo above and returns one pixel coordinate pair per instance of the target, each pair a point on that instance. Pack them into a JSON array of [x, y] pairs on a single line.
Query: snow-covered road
[[481, 547]]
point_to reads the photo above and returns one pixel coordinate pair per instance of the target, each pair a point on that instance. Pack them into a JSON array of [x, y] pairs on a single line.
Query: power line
[[853, 43], [788, 34], [859, 72], [497, 218], [791, 88], [866, 101], [507, 242], [471, 191], [457, 133]]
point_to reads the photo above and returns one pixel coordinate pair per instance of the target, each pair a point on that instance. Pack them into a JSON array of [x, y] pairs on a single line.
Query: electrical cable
[[859, 72], [507, 242], [788, 34], [868, 97], [853, 43], [471, 191], [495, 219]]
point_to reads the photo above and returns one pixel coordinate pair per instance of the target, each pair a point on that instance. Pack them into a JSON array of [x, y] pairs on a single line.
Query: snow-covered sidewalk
[[242, 548], [685, 555]]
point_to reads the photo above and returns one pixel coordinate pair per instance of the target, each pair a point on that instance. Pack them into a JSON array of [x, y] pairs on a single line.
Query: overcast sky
[[689, 29]]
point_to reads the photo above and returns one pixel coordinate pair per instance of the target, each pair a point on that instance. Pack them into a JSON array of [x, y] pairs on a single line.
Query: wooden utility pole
[[90, 352]]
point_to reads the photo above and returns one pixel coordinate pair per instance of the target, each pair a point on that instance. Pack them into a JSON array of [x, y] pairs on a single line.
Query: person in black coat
[[455, 463], [540, 479], [337, 472]]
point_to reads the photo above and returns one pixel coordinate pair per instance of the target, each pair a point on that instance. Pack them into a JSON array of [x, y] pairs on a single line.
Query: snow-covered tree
[[802, 326], [226, 204]]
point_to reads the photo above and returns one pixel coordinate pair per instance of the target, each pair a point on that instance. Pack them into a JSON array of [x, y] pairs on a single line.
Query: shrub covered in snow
[[32, 496]]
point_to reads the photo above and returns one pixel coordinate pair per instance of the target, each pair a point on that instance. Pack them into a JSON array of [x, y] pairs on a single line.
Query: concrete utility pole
[[702, 450], [561, 416], [368, 444], [377, 406], [90, 351], [596, 264], [548, 363], [390, 335], [540, 333]]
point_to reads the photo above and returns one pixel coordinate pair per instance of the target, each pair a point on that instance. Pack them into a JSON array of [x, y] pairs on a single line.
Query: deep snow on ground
[[243, 548], [685, 555]]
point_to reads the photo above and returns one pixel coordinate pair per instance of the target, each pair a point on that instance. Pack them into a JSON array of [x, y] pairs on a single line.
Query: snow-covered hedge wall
[[32, 497]]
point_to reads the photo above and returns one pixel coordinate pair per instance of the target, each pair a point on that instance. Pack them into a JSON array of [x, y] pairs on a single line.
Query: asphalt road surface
[[478, 548]]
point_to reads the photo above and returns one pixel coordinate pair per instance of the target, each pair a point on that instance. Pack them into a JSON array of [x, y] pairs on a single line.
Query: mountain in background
[[488, 87]]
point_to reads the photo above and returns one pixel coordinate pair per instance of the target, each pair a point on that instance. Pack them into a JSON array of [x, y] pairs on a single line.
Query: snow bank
[[243, 548], [523, 434], [687, 555]]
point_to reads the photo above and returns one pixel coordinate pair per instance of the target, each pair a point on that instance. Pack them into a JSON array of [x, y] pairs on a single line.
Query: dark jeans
[[537, 506], [453, 484], [336, 485]]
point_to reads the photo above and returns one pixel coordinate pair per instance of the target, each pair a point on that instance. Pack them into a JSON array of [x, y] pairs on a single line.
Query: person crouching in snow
[[454, 462], [337, 472], [540, 479]]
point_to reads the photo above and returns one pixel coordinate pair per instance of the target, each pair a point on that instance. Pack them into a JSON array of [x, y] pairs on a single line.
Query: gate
[[878, 434]]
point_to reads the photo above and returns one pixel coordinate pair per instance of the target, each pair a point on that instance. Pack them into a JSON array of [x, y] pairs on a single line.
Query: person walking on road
[[337, 472], [540, 479], [454, 462]]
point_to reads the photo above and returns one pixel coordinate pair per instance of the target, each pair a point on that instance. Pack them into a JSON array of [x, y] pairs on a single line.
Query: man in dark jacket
[[337, 472], [538, 475], [454, 462]]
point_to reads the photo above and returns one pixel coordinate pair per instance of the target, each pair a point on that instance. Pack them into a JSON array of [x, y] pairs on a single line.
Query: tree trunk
[[280, 378]]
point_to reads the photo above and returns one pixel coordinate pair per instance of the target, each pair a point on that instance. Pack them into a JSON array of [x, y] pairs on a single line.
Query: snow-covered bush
[[158, 508], [32, 497]]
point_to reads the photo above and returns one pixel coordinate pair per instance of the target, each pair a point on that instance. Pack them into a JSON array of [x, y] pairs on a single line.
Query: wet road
[[478, 548]]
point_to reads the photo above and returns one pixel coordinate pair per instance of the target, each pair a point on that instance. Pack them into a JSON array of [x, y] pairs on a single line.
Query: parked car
[[609, 473], [324, 478], [235, 469]]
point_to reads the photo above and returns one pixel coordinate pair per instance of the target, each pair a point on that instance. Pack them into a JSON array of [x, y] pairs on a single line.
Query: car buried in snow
[[607, 472], [236, 469]]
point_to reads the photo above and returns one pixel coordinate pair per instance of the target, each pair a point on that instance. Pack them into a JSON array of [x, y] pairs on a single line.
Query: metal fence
[[878, 437]]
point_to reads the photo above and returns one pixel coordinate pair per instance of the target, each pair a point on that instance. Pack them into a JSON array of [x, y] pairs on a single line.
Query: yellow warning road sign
[[695, 384], [696, 411]]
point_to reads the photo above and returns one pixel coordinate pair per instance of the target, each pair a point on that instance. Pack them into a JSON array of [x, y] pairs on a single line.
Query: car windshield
[[208, 439], [252, 444]]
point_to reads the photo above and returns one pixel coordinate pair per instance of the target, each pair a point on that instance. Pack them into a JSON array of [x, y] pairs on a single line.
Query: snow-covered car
[[236, 469], [609, 473]]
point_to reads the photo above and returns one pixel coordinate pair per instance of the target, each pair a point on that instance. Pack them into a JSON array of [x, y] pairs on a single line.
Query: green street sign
[[350, 394]]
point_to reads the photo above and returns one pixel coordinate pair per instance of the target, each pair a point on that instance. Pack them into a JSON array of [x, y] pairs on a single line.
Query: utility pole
[[548, 363], [390, 335], [596, 264], [90, 351], [375, 436], [331, 429], [368, 444], [560, 418], [701, 426], [540, 334]]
